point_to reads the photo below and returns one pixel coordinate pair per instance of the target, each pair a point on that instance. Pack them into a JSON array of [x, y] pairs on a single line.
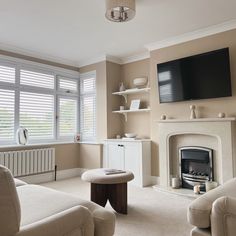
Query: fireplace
[[195, 166], [222, 130]]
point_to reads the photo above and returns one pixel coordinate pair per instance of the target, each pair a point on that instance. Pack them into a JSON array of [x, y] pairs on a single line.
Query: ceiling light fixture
[[120, 10]]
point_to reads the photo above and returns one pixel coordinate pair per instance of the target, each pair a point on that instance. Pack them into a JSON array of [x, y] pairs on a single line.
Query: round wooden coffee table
[[112, 187]]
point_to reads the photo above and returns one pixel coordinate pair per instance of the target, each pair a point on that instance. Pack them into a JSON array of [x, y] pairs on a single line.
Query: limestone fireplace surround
[[223, 129]]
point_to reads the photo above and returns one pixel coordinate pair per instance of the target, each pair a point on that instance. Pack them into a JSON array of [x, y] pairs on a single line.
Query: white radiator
[[29, 162]]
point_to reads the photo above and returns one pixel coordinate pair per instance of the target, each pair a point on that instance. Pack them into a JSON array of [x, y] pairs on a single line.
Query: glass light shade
[[120, 10]]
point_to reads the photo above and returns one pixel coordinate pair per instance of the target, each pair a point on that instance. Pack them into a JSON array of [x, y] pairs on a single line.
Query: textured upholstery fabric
[[223, 218], [201, 232], [199, 211], [104, 222], [19, 182], [75, 221], [98, 176], [10, 213], [38, 203], [46, 212]]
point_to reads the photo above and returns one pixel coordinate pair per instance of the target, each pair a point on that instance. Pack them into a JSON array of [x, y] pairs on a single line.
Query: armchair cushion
[[10, 213], [199, 211], [223, 217]]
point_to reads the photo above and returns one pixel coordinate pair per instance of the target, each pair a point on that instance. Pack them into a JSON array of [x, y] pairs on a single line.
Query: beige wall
[[114, 124], [90, 156], [138, 123], [205, 108], [67, 155]]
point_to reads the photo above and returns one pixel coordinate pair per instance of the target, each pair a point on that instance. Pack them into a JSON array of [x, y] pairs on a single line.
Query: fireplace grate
[[196, 166]]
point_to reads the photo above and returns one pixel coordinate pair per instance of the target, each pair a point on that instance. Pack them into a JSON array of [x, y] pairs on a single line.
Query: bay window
[[43, 99]]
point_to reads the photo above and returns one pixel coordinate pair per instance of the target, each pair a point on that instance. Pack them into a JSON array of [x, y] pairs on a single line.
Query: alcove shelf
[[125, 112], [126, 92]]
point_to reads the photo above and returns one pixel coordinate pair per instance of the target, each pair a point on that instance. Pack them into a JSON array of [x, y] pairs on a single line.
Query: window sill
[[47, 144], [36, 144], [90, 142]]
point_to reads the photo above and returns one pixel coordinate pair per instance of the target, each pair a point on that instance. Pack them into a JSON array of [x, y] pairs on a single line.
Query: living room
[[69, 104]]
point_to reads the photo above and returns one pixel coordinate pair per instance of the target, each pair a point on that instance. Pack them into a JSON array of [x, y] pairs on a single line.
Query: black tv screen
[[201, 76]]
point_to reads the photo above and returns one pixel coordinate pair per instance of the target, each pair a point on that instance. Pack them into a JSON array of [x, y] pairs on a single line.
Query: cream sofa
[[31, 210], [214, 213]]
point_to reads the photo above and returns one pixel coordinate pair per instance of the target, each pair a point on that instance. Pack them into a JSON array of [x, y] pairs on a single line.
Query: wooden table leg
[[99, 194], [117, 195]]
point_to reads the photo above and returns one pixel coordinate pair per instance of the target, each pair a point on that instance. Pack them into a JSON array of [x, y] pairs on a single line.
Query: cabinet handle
[[121, 145]]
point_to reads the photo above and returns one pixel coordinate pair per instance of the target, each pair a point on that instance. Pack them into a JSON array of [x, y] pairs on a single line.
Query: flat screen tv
[[201, 76]]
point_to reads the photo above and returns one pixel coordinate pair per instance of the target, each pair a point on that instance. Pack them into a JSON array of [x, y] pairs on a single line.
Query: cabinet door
[[115, 155], [133, 160]]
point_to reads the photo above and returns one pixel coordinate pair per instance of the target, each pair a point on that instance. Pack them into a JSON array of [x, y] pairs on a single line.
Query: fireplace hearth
[[195, 166]]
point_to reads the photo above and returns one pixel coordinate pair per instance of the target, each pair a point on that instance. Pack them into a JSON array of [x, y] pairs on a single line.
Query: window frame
[[19, 64], [58, 116], [83, 76]]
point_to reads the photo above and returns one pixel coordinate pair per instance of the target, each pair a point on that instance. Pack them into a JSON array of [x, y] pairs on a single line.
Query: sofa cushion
[[39, 202], [199, 211], [19, 182], [10, 213], [75, 221]]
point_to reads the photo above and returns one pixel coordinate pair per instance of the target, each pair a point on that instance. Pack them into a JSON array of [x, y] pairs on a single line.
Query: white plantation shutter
[[7, 100], [88, 106], [36, 79], [7, 74], [70, 86], [88, 85], [31, 95], [37, 114], [88, 119], [67, 117]]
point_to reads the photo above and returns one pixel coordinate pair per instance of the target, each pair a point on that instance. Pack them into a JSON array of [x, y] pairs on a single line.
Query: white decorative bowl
[[139, 82], [130, 135]]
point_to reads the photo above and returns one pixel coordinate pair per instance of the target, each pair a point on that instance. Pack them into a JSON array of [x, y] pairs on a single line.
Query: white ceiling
[[71, 31]]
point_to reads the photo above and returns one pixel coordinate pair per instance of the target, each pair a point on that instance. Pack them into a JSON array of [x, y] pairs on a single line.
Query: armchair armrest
[[223, 217], [104, 220], [74, 221]]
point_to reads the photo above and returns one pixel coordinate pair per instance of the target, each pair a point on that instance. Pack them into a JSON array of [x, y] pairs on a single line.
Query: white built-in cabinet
[[133, 155]]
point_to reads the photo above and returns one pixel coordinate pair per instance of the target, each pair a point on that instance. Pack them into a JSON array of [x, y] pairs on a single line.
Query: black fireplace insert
[[196, 166]]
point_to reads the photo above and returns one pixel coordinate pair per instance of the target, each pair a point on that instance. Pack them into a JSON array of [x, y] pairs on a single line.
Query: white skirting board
[[155, 180], [48, 177]]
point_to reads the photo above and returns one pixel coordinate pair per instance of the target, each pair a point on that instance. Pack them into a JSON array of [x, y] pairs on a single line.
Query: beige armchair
[[214, 213], [31, 210]]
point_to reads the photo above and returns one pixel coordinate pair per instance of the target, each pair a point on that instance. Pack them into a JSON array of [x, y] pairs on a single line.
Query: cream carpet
[[150, 213]]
